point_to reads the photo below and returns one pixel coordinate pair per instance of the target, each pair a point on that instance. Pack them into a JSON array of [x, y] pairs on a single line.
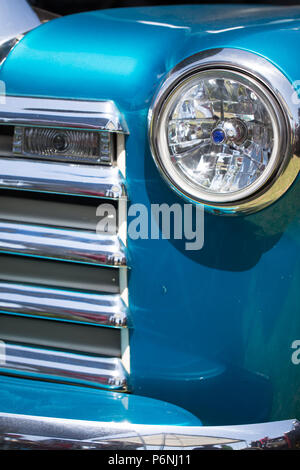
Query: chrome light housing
[[222, 131]]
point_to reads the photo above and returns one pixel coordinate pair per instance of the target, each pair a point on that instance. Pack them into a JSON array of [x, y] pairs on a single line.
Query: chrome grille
[[63, 286], [53, 177], [66, 244], [84, 307]]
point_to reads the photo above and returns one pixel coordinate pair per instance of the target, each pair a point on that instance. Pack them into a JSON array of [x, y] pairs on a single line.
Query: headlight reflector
[[217, 136]]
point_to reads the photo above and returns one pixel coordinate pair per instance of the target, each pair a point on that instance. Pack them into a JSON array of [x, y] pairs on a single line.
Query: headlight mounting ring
[[276, 85]]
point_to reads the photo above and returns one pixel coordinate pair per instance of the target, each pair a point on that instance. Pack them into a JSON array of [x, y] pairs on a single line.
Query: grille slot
[[63, 287], [59, 274], [51, 209], [61, 335]]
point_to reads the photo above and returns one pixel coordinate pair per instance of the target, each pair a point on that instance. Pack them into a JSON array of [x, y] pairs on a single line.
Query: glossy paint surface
[[213, 328], [22, 396]]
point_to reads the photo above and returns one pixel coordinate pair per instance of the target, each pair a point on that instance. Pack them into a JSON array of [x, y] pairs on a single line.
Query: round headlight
[[218, 135]]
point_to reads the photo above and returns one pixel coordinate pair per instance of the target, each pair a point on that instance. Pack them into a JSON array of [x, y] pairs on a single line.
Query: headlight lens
[[217, 136]]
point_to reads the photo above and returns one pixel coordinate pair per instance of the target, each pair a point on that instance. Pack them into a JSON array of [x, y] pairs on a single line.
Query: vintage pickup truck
[[118, 330]]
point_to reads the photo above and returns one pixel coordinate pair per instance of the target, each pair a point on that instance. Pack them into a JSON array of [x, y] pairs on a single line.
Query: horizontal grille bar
[[70, 245], [105, 310], [63, 178], [62, 113], [102, 372]]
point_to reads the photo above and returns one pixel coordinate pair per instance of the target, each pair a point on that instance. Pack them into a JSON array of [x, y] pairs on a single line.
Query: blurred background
[[65, 7]]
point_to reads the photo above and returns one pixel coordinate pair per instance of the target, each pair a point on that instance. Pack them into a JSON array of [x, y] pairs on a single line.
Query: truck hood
[[109, 54]]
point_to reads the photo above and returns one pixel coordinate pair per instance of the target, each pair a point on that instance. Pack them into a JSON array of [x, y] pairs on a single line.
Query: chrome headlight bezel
[[278, 91]]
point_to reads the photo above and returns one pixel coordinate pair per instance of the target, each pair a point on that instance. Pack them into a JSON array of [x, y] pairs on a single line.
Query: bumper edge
[[32, 432]]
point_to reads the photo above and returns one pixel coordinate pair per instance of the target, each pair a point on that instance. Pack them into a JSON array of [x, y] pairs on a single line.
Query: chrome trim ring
[[276, 85]]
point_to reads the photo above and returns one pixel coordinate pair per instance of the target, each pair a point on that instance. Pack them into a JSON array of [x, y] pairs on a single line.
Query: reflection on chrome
[[64, 178], [32, 432], [101, 372], [98, 309], [16, 18], [70, 245], [7, 46], [62, 113]]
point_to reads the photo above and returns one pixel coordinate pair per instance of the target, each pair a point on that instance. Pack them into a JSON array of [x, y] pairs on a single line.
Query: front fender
[[212, 361]]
